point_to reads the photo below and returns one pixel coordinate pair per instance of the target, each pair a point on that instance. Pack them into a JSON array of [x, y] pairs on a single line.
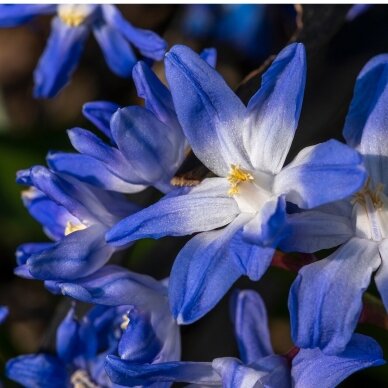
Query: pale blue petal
[[312, 368], [60, 58], [320, 174], [273, 112], [313, 230], [211, 115], [250, 321], [381, 278], [205, 207], [115, 286], [366, 125], [325, 300], [130, 374], [90, 170]]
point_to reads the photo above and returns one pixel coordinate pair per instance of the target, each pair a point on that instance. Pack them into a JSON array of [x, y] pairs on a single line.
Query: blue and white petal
[[210, 113], [325, 300], [312, 368], [273, 112]]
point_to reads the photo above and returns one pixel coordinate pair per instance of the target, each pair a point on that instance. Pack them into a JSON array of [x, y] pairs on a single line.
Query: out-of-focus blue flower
[[76, 216], [69, 31], [326, 298], [246, 27], [356, 10], [81, 348], [259, 366], [147, 145], [242, 211], [3, 313], [152, 335]]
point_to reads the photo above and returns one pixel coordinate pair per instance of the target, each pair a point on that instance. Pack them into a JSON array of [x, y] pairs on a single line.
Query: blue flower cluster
[[251, 203]]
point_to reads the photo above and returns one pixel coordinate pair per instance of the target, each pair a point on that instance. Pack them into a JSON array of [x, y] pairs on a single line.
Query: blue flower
[[242, 210], [76, 216], [69, 31], [81, 348], [326, 298], [152, 335], [147, 144], [3, 313], [259, 366]]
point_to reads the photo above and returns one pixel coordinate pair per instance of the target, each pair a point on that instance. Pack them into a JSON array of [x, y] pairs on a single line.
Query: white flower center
[[371, 212], [74, 14], [81, 379], [250, 189]]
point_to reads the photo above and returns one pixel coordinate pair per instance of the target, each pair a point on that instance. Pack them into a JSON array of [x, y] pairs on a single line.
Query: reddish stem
[[289, 356], [292, 261]]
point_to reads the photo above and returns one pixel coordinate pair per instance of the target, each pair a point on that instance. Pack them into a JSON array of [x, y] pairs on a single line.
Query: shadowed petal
[[381, 277], [117, 52], [321, 174], [367, 121], [205, 207], [312, 368], [325, 300], [77, 255], [210, 113], [273, 112], [37, 370], [60, 58], [250, 321], [100, 113]]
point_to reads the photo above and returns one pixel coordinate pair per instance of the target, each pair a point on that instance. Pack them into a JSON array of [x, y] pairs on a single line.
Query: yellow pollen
[[71, 17], [374, 195], [236, 176], [81, 379], [125, 322], [70, 227]]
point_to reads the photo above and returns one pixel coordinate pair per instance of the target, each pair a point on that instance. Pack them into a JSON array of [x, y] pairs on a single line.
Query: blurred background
[[246, 36]]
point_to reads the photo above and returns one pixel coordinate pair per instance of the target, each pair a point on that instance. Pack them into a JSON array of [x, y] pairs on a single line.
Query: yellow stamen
[[70, 227], [125, 322], [80, 379], [71, 17], [374, 195], [236, 176]]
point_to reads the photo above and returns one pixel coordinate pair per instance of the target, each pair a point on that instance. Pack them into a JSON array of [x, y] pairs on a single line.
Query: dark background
[[336, 51]]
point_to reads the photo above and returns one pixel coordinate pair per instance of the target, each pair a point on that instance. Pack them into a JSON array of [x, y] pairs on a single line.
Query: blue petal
[[236, 375], [79, 254], [24, 251], [273, 112], [157, 97], [130, 374], [312, 368], [60, 58], [210, 56], [325, 300], [147, 144], [313, 230], [117, 52], [381, 277], [12, 15], [53, 217], [37, 370], [150, 44], [90, 170], [210, 113], [67, 340], [3, 313], [100, 113], [23, 272], [205, 207], [367, 121], [250, 321], [356, 10], [115, 286], [139, 342], [321, 174]]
